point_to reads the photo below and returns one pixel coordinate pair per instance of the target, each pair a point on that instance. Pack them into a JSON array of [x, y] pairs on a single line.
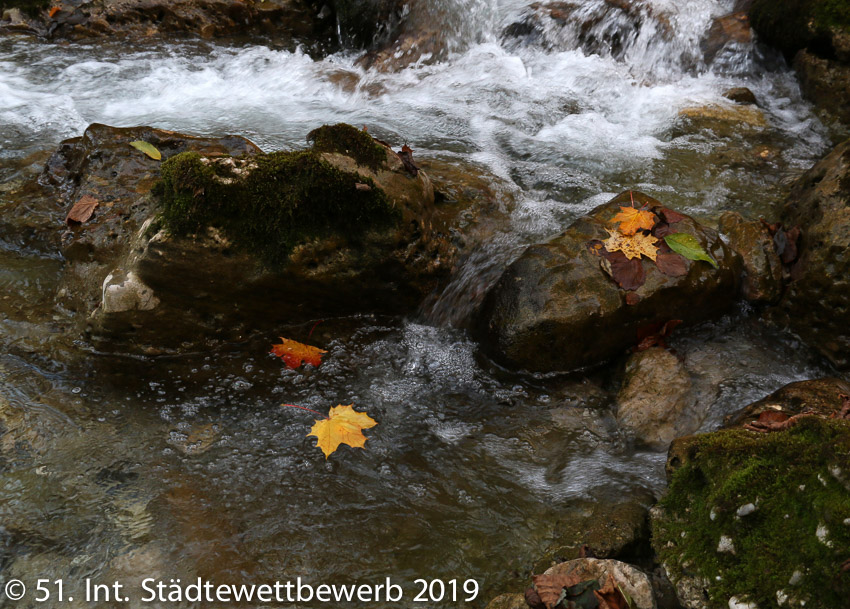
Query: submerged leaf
[[294, 353], [82, 210], [688, 246], [344, 425], [148, 149]]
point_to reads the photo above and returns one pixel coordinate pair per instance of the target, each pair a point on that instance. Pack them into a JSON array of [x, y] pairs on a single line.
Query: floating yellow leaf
[[633, 246], [344, 425]]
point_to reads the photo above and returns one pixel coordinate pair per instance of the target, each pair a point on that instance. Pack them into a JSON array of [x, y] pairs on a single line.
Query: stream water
[[120, 467]]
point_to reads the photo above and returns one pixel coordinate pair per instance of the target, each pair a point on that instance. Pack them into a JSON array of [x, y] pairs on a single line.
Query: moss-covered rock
[[234, 240], [760, 517], [267, 204]]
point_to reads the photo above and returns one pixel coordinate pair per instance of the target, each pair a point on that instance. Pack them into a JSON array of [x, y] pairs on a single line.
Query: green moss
[[280, 200], [790, 477], [791, 25], [348, 140]]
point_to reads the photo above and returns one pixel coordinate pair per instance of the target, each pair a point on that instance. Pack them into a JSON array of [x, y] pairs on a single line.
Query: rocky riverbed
[[586, 264]]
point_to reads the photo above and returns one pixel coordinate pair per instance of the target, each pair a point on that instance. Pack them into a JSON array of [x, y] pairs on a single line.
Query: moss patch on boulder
[[762, 517], [350, 141], [267, 204]]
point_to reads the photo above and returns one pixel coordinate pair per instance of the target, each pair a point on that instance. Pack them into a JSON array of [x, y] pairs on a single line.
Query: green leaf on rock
[[148, 149], [688, 246]]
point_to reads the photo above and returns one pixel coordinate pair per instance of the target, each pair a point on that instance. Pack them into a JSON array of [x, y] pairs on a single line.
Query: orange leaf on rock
[[82, 210], [610, 596], [632, 220], [294, 353], [344, 425], [54, 10]]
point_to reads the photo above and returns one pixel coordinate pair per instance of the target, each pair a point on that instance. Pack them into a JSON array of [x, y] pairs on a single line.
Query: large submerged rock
[[816, 303], [556, 308], [235, 239]]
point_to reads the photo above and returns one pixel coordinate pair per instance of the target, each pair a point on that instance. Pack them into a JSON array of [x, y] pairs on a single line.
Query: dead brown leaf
[[672, 264], [82, 210]]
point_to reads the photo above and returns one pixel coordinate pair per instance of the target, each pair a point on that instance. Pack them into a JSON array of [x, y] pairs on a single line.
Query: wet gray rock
[[763, 272], [556, 308], [816, 303], [657, 402]]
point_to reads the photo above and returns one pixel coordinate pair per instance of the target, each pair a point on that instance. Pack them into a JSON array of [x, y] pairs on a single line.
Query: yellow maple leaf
[[632, 220], [633, 246], [344, 425]]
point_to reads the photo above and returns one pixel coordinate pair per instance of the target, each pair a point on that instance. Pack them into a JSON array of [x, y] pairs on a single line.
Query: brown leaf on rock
[[549, 587], [610, 597], [670, 216], [628, 274], [82, 210], [672, 264], [632, 298]]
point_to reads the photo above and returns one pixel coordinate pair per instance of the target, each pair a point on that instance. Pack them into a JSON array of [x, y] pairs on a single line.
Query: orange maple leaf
[[633, 246], [344, 425], [294, 353], [632, 220]]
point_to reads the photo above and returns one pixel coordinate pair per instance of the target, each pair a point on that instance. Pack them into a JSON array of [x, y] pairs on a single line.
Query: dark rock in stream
[[816, 35], [556, 309], [763, 272], [237, 240], [816, 303], [820, 396], [279, 20]]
